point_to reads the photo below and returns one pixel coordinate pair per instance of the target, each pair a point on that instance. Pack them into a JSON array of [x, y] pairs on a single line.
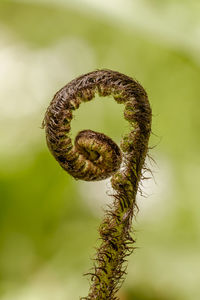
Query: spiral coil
[[94, 156]]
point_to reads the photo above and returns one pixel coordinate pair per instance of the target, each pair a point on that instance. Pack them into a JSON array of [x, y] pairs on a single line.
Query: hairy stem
[[94, 156]]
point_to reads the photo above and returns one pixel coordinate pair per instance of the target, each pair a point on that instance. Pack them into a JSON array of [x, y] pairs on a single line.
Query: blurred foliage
[[48, 221]]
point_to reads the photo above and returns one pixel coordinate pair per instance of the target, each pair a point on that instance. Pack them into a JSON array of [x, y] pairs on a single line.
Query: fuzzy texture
[[94, 156]]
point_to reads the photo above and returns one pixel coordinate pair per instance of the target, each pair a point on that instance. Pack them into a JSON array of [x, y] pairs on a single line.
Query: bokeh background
[[49, 221]]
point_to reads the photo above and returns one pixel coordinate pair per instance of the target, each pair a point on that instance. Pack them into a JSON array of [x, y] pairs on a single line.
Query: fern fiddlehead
[[94, 156]]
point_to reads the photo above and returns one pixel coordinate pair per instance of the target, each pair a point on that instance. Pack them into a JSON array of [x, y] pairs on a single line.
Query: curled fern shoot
[[94, 156]]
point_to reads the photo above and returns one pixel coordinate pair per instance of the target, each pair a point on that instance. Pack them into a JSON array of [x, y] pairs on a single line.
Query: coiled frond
[[94, 156]]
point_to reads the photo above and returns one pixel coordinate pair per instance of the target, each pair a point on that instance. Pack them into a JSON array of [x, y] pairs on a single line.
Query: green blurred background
[[49, 221]]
